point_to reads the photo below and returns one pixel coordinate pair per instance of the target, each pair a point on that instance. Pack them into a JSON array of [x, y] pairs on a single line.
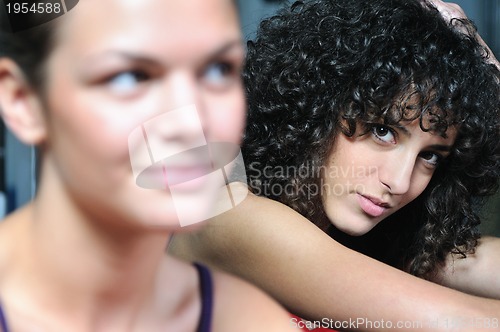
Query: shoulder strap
[[206, 290], [3, 321]]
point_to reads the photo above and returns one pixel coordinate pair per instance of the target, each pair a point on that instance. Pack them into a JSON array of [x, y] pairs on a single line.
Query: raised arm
[[478, 273], [272, 246], [451, 11]]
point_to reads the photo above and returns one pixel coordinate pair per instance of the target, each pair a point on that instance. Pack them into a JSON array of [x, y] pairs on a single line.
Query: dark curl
[[322, 68]]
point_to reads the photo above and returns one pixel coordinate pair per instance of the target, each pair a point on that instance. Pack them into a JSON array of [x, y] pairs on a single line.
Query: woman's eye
[[127, 81], [219, 74], [431, 158], [384, 134]]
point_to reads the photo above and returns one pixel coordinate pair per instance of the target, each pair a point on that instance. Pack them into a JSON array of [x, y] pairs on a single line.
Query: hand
[[450, 11]]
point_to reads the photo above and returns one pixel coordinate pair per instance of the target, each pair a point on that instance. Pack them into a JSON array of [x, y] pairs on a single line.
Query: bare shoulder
[[252, 222], [258, 232], [239, 306], [265, 243]]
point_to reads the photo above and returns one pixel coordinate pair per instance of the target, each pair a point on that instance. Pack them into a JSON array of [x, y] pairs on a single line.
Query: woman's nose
[[179, 125], [396, 173], [176, 127]]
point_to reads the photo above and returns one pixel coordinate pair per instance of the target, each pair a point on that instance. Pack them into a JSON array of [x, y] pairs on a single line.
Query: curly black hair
[[324, 67]]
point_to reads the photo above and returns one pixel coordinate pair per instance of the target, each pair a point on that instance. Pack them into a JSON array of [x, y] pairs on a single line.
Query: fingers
[[449, 10]]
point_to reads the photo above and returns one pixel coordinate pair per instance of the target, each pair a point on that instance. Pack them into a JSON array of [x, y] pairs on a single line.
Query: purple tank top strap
[[206, 289], [3, 320]]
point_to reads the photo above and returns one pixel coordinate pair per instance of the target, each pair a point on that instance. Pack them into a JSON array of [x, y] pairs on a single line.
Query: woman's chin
[[355, 228]]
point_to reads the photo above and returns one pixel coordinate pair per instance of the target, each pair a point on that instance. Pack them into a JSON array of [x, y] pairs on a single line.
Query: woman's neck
[[86, 268]]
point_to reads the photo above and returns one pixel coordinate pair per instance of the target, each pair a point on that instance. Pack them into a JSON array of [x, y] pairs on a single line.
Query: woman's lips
[[160, 176], [372, 206], [181, 174]]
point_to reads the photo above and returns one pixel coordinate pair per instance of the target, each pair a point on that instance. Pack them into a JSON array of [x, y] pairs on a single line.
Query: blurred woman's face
[[127, 77]]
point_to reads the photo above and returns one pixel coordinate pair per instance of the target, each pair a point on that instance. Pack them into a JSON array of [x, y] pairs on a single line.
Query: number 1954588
[[36, 8]]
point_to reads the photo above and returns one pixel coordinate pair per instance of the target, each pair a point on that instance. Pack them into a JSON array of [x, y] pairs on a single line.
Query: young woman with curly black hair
[[360, 113], [387, 64]]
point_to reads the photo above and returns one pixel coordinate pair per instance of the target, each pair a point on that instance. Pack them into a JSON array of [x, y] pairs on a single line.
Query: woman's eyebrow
[[225, 48], [140, 58], [121, 54], [436, 147], [440, 147], [403, 129]]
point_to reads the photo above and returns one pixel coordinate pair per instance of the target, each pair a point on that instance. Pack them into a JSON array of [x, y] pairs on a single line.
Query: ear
[[20, 105]]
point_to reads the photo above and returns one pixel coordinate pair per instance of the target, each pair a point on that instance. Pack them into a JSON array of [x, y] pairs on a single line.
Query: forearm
[[353, 289], [347, 286], [380, 292], [316, 277], [476, 274]]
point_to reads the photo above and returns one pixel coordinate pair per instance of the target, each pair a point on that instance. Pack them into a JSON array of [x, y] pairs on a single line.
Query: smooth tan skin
[[35, 299], [271, 245], [315, 277], [88, 254], [477, 274]]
